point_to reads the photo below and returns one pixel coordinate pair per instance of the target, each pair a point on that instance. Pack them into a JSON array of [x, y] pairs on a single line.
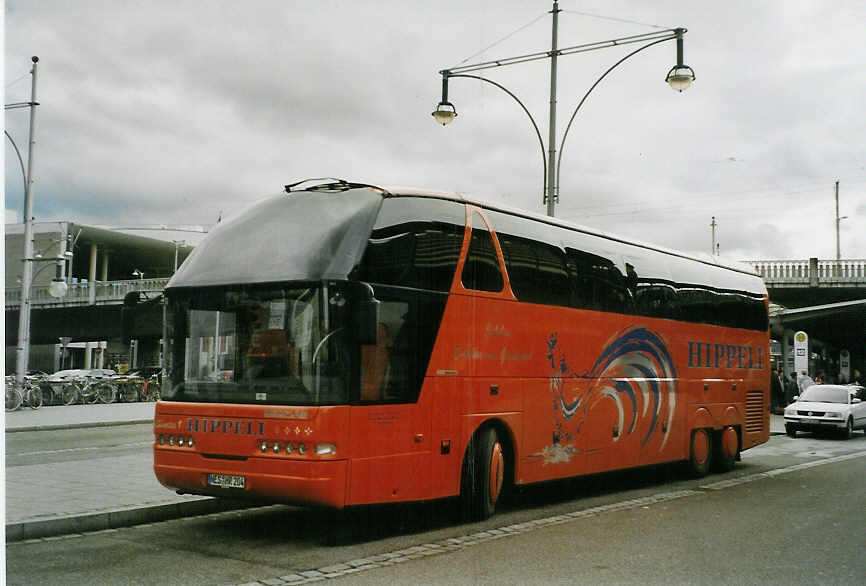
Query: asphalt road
[[792, 512], [63, 445]]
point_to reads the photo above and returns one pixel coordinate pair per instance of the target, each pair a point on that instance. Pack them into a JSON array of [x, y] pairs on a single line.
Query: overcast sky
[[172, 112]]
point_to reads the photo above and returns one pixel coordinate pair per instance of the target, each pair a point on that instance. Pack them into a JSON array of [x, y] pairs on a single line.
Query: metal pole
[[838, 250], [551, 141], [713, 226], [23, 349]]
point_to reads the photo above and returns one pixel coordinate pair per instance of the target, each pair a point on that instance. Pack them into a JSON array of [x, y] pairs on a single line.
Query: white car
[[827, 407]]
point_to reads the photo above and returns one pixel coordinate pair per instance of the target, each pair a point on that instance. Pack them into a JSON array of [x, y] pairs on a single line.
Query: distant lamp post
[[23, 349], [679, 78]]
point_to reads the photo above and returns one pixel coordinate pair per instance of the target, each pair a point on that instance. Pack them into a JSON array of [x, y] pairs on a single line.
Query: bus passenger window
[[597, 283], [481, 270], [537, 271]]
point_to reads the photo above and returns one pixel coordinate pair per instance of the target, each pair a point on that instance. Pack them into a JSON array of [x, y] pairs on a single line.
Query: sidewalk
[[99, 492], [73, 416], [74, 496]]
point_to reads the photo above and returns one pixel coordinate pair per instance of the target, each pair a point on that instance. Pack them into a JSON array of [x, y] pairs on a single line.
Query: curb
[[77, 425], [117, 518]]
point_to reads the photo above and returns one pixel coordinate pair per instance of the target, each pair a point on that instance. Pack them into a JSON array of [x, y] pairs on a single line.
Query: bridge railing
[[811, 272], [107, 292]]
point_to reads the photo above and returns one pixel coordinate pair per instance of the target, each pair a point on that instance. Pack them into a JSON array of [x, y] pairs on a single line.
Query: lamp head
[[444, 113], [57, 288], [680, 77]]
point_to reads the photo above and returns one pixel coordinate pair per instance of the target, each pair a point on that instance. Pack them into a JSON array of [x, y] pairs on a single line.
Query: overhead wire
[[505, 38], [17, 79], [613, 18]]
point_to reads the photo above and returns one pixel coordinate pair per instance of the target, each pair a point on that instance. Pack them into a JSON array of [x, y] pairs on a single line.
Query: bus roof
[[266, 243], [706, 259]]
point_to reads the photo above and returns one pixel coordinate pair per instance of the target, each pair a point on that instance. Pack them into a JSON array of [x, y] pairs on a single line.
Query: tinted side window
[[537, 271], [481, 270], [597, 283], [415, 243], [698, 305], [656, 300]]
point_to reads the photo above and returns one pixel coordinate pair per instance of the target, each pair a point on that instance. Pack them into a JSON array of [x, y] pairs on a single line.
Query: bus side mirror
[[127, 317], [367, 322]]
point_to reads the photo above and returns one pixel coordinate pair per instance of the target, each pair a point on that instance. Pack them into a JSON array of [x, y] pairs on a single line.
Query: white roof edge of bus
[[703, 258]]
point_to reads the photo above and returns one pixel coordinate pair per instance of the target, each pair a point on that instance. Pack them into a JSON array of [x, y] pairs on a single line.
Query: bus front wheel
[[700, 453], [483, 475]]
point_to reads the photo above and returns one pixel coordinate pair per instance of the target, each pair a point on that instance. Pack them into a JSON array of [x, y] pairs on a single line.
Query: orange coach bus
[[340, 345]]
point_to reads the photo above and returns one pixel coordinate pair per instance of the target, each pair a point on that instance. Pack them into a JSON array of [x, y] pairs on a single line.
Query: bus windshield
[[267, 344]]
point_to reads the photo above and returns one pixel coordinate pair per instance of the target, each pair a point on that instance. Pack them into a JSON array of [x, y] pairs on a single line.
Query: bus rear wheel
[[700, 453], [726, 448], [483, 475]]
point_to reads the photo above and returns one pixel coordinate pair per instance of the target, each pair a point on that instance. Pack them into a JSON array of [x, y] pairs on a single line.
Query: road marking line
[[66, 450]]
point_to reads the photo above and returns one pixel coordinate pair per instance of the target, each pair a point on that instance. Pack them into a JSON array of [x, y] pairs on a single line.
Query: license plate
[[810, 421], [226, 481]]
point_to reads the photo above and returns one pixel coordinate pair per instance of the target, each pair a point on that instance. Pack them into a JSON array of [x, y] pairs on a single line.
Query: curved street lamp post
[[679, 77]]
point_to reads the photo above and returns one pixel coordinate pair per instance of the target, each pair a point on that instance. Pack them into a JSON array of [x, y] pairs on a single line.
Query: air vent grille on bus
[[754, 411]]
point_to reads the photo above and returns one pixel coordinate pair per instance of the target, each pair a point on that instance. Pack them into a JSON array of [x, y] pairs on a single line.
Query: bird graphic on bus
[[635, 372]]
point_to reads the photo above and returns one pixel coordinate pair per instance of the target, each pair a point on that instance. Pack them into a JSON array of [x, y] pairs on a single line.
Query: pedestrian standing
[[804, 381], [777, 390], [792, 388]]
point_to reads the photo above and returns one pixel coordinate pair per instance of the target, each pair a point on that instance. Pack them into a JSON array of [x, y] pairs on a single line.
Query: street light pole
[[550, 196], [23, 349], [838, 219], [679, 77]]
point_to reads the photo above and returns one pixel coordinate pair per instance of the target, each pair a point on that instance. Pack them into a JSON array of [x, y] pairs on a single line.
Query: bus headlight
[[326, 449], [302, 448], [264, 446], [290, 447]]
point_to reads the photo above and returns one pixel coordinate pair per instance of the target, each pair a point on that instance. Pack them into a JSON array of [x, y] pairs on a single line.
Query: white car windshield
[[825, 394]]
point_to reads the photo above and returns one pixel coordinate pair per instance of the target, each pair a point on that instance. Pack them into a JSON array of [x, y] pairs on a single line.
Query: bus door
[[390, 422]]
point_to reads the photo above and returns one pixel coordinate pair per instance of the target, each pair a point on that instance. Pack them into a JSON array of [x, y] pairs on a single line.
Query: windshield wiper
[[331, 184]]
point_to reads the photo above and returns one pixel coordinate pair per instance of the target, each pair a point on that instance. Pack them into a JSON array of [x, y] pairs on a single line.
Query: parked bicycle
[[151, 388], [128, 386], [82, 386], [28, 394]]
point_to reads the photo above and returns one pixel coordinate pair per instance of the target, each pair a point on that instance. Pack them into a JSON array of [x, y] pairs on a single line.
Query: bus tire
[[483, 475], [726, 448], [700, 453]]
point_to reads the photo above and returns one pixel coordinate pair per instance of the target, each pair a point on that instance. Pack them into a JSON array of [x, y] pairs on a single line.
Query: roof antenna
[[219, 216]]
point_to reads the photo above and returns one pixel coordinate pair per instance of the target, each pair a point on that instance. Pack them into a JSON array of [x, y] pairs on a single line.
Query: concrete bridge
[[824, 298], [801, 283]]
